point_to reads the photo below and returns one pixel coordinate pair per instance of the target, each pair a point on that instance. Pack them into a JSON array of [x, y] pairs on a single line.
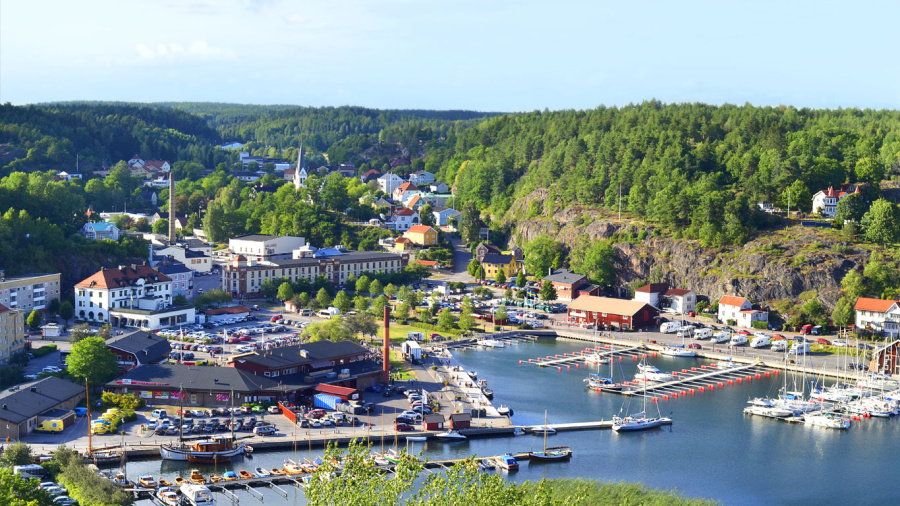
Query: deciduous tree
[[90, 359]]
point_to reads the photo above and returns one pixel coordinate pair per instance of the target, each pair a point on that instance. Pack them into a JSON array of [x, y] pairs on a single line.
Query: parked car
[[824, 341], [51, 369], [840, 343], [403, 427], [266, 430]]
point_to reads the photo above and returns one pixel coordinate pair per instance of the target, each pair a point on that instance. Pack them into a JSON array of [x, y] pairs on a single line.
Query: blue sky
[[435, 54]]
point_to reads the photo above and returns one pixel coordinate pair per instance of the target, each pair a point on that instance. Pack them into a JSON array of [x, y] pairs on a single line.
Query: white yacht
[[450, 435], [826, 420], [197, 495], [651, 373], [491, 343]]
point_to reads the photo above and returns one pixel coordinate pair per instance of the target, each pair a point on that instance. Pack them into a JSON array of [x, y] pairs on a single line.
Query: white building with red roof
[[741, 311], [681, 300], [878, 315], [825, 202], [130, 296], [402, 219], [405, 192]]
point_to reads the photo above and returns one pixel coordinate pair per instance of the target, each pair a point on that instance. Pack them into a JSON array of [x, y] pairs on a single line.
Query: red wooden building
[[434, 422], [460, 421], [618, 313]]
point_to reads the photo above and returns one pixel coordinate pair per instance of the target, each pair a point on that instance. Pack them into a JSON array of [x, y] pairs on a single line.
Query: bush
[[126, 402], [731, 323], [43, 351], [760, 325]]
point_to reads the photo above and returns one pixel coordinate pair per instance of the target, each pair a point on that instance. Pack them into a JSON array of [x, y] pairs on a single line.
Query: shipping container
[[326, 401]]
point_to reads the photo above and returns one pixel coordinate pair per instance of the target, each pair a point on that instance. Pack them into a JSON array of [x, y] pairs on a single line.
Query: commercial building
[[879, 316], [34, 291], [138, 348], [265, 247], [245, 277], [12, 332], [609, 312], [24, 406]]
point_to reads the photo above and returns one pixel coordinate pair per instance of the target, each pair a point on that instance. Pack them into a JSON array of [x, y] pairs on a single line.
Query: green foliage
[[90, 489], [361, 323], [361, 303], [362, 284], [43, 351], [342, 302], [212, 298], [850, 208], [595, 260], [843, 314], [466, 322], [122, 401], [548, 291], [331, 330], [580, 492], [179, 300], [375, 287], [378, 305], [500, 277], [285, 292], [759, 324], [18, 491], [501, 314], [323, 298], [701, 305], [90, 359], [882, 222], [16, 454], [473, 266], [541, 254], [520, 279], [161, 226], [34, 319], [390, 290], [445, 319], [11, 375]]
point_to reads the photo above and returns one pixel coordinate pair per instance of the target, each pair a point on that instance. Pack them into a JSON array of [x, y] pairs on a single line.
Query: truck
[[415, 336], [328, 313], [411, 351]]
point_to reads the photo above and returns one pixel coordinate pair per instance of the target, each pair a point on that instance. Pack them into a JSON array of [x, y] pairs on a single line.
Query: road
[[461, 258]]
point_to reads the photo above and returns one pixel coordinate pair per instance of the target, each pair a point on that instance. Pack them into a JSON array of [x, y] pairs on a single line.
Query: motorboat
[[651, 373], [487, 464], [677, 351], [491, 343], [543, 429], [417, 438], [120, 480], [472, 374], [147, 481], [826, 420], [168, 496], [488, 392], [504, 410], [507, 462], [595, 358], [197, 495], [768, 411], [597, 382], [450, 435]]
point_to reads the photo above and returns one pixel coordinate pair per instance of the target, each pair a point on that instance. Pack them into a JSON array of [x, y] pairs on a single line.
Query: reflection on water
[[712, 450]]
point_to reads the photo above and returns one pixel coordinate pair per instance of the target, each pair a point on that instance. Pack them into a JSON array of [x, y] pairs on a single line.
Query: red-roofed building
[[825, 202], [403, 218], [681, 300], [401, 190], [740, 310], [157, 165], [651, 293], [370, 175], [881, 316], [345, 393], [421, 235]]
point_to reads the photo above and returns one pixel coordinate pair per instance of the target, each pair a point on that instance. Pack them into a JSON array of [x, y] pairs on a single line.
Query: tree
[[843, 313], [548, 291], [303, 299], [351, 281], [378, 306], [479, 274], [342, 302], [269, 289], [362, 284], [882, 222], [500, 277], [161, 226], [445, 319], [869, 170], [501, 314], [402, 311], [16, 454], [598, 264], [473, 266], [542, 254], [390, 290], [520, 279], [375, 287], [469, 226], [361, 323], [90, 359], [323, 298], [508, 294], [361, 303], [797, 195], [18, 491], [34, 319], [851, 208], [285, 292], [53, 307], [466, 322], [80, 332], [426, 215], [178, 300], [331, 330]]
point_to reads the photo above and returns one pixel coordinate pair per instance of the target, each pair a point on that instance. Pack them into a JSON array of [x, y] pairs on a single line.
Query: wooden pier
[[581, 356]]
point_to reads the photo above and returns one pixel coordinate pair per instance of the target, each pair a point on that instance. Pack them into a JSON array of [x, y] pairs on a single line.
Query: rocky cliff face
[[774, 265]]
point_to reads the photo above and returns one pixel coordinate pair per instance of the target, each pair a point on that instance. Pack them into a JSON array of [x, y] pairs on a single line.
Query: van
[[159, 413], [29, 471], [702, 333], [669, 327], [799, 349], [738, 340], [50, 426], [721, 337], [306, 312], [687, 331], [779, 345], [806, 329], [760, 341], [415, 336]]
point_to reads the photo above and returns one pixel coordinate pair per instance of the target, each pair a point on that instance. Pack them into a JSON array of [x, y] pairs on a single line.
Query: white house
[[405, 191], [136, 161], [130, 296], [651, 293], [681, 300], [389, 182], [878, 315], [100, 230], [403, 219], [265, 247], [421, 178], [438, 187], [825, 202], [740, 310]]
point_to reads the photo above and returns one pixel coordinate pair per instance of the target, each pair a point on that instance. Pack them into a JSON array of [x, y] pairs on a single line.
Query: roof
[[101, 226], [124, 277], [146, 346], [875, 305], [170, 266], [413, 201], [405, 211], [316, 352], [608, 305], [401, 240], [677, 292], [494, 258], [20, 403], [195, 378], [565, 277], [435, 418], [653, 288], [348, 257], [227, 310], [427, 263], [405, 187], [461, 417], [334, 389], [729, 300], [419, 229], [3, 308]]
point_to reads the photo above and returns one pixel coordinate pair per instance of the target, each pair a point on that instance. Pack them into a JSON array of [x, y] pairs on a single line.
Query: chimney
[[386, 366], [171, 209]]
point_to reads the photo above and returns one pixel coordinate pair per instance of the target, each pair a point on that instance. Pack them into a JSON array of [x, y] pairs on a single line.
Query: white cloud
[[197, 51]]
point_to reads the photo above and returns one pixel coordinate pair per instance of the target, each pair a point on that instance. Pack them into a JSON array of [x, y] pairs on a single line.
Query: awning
[[335, 390], [321, 364]]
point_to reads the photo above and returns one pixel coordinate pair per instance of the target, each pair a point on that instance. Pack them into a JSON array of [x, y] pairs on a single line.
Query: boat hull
[[638, 424], [556, 454], [184, 454]]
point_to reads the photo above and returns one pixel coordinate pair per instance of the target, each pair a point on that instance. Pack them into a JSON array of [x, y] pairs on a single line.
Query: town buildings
[[138, 348], [24, 406], [741, 311], [12, 332], [825, 202], [570, 285], [651, 293], [680, 300], [265, 247], [28, 292], [422, 235], [99, 230], [616, 313], [494, 263], [879, 316]]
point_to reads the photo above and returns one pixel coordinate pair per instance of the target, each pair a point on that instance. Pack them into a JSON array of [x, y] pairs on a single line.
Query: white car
[[243, 349], [153, 424], [840, 343], [51, 368]]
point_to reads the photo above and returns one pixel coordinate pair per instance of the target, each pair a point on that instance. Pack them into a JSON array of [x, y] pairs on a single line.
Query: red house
[[434, 422], [618, 313], [460, 421]]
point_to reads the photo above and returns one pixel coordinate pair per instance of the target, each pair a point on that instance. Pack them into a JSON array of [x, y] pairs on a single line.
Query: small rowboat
[[179, 481], [245, 475], [277, 472], [248, 449], [230, 476], [196, 477], [215, 478], [262, 473], [164, 483]]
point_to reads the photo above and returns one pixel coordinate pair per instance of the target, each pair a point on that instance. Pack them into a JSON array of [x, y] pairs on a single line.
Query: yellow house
[[421, 235], [493, 263]]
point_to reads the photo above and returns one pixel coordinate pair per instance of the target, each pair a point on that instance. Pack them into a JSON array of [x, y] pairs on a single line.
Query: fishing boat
[[245, 475], [450, 435], [197, 495], [147, 481], [216, 449], [197, 477], [552, 454], [230, 476], [211, 460], [507, 462], [262, 473], [168, 496], [639, 421], [504, 410]]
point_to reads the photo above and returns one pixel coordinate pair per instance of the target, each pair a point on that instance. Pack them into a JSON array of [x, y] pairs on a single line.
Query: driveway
[[461, 258]]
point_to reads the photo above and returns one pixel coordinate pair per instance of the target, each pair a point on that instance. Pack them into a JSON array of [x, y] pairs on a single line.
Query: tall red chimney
[[386, 368]]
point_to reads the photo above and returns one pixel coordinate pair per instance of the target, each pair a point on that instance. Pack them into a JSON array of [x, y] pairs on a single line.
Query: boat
[[651, 373], [290, 467], [552, 454], [595, 358], [417, 438], [768, 412], [262, 473], [248, 449], [276, 472], [507, 462], [488, 392], [245, 475], [450, 435], [504, 410], [597, 382], [215, 478], [473, 375], [164, 483], [491, 343], [179, 481], [211, 460], [168, 496], [827, 421], [392, 456], [216, 449], [677, 350], [197, 477], [543, 429], [120, 480], [147, 481], [230, 476], [197, 495], [640, 421], [99, 456], [487, 464]]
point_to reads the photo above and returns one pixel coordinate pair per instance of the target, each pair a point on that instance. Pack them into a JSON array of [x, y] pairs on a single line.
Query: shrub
[[43, 350], [760, 325], [127, 402]]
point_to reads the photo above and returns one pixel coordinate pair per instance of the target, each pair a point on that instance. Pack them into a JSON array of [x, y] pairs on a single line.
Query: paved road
[[461, 258]]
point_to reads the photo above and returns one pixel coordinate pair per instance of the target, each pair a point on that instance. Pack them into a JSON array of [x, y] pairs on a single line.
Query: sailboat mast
[[181, 415], [545, 432]]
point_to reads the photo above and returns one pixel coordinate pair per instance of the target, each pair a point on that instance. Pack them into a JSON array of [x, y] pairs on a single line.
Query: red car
[[316, 413], [276, 318], [233, 340], [824, 341], [695, 346], [244, 338], [403, 427], [692, 314]]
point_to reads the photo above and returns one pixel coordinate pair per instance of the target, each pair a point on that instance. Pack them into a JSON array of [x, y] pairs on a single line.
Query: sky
[[487, 55]]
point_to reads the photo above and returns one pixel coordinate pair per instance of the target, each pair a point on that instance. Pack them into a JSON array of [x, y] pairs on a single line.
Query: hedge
[[43, 350]]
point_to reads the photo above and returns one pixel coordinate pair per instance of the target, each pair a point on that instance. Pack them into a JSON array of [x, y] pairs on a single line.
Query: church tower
[[300, 173]]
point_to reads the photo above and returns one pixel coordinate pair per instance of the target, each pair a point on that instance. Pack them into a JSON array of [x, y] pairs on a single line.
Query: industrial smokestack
[[386, 367], [171, 209]]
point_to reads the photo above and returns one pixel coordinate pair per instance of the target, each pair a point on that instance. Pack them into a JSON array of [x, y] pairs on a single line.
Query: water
[[712, 450]]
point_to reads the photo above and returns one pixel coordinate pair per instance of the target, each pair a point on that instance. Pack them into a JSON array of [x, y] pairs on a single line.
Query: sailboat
[[217, 449], [639, 421], [597, 382], [552, 454], [679, 350], [100, 456]]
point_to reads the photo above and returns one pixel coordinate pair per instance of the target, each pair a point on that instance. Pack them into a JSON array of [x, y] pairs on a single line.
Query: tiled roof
[[875, 305], [677, 292], [607, 305], [405, 187], [729, 300], [127, 276], [419, 229], [653, 288]]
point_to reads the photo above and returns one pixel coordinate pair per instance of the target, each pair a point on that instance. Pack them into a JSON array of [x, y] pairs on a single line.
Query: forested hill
[[695, 168]]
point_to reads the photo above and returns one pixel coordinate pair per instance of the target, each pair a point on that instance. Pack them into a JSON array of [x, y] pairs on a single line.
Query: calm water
[[712, 450]]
